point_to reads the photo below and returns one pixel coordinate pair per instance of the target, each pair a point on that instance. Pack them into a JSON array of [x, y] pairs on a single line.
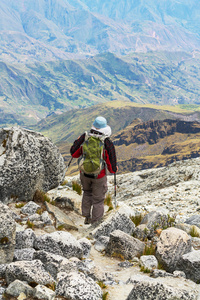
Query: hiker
[[94, 183]]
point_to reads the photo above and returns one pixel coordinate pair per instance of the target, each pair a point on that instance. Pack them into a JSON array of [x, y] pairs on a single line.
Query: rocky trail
[[146, 248]]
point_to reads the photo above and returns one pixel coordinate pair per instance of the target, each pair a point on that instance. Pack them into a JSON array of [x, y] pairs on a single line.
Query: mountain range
[[43, 30], [29, 92]]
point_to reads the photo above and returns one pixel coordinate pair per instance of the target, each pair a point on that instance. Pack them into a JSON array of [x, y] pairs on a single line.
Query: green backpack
[[91, 161]]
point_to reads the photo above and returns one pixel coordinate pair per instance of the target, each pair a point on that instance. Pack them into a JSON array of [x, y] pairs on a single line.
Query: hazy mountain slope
[[35, 90], [89, 27]]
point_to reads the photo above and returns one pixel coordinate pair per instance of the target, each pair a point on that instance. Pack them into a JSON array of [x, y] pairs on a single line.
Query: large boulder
[[29, 162], [122, 244], [7, 234], [29, 271], [77, 286], [173, 243], [190, 264], [60, 243], [146, 288]]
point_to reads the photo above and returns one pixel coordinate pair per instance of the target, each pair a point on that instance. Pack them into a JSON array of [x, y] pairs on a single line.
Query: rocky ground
[[73, 257]]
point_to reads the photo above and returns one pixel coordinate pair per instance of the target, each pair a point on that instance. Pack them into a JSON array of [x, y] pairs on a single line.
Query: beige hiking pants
[[94, 191]]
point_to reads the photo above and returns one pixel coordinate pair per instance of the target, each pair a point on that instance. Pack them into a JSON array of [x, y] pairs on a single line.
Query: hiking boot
[[87, 220]]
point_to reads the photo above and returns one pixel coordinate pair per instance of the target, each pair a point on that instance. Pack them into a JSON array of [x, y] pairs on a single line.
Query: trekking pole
[[115, 186], [68, 164]]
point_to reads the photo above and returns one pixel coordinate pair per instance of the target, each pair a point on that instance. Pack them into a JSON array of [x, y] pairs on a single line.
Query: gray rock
[[160, 273], [86, 246], [196, 243], [7, 234], [17, 287], [24, 254], [125, 264], [34, 217], [189, 263], [123, 244], [194, 220], [64, 202], [149, 261], [141, 232], [29, 162], [25, 239], [51, 262], [172, 244], [62, 219], [151, 289], [60, 243], [153, 221], [115, 221], [30, 208], [45, 218], [30, 271], [77, 286], [3, 270], [44, 293], [101, 244]]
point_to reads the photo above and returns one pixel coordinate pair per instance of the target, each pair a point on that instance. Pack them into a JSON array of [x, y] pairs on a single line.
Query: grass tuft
[[76, 187], [137, 219], [193, 232]]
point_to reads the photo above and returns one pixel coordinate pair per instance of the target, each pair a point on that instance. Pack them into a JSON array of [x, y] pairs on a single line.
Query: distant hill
[[40, 30], [68, 126], [156, 144], [33, 91], [140, 142]]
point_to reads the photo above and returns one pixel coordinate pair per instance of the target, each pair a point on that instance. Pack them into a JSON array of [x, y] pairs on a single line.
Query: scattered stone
[[152, 289], [149, 262], [101, 244], [77, 286], [122, 244], [194, 220], [115, 221], [189, 263], [44, 293], [30, 271], [23, 254], [86, 246], [125, 264], [25, 239], [60, 243], [17, 287], [64, 202], [30, 208], [7, 234], [51, 262], [62, 219], [172, 244], [45, 218], [154, 220]]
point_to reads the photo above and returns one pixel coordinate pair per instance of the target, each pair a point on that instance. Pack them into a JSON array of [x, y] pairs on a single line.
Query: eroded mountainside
[[156, 143]]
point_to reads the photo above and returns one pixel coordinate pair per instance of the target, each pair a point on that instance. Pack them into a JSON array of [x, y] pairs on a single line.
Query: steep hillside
[[48, 30], [156, 143], [69, 125], [35, 90]]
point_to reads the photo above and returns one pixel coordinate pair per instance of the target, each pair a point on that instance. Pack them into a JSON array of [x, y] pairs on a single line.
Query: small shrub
[[40, 196], [101, 284], [137, 219], [149, 250], [118, 255], [4, 240], [51, 286], [160, 266], [64, 182], [30, 224], [108, 202], [76, 187], [40, 211], [19, 205], [105, 295], [193, 232], [170, 221], [144, 270]]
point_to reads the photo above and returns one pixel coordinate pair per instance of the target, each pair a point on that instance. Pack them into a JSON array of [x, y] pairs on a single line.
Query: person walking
[[94, 185]]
